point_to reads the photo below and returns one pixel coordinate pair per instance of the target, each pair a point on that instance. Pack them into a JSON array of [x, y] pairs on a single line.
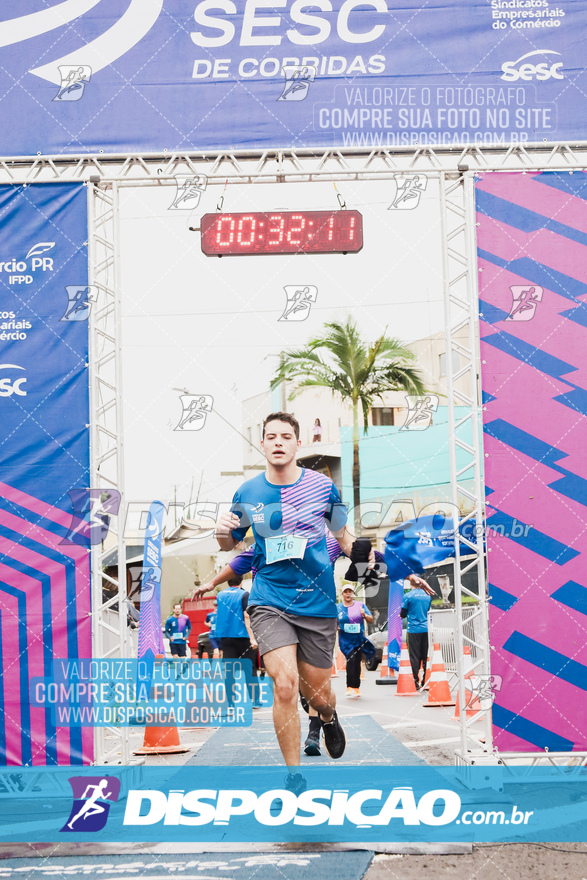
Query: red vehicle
[[197, 612]]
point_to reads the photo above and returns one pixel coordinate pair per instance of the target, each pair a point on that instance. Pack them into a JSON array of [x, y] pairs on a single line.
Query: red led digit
[[239, 237], [352, 229], [331, 229], [294, 229], [279, 231], [225, 219]]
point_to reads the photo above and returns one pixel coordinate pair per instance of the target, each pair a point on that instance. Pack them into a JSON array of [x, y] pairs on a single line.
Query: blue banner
[[421, 542], [394, 623], [152, 75], [48, 516], [150, 635], [329, 804]]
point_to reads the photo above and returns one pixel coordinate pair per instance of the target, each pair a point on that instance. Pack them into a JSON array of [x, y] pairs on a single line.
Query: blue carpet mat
[[205, 866], [367, 743]]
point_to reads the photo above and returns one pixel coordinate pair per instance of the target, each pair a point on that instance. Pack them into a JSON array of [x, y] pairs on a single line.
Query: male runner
[[292, 604], [177, 630]]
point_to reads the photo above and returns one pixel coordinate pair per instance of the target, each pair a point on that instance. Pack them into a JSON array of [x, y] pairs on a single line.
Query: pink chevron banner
[[532, 259], [44, 464]]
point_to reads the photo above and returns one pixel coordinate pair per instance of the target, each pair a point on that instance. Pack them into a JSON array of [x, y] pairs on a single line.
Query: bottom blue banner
[[266, 804]]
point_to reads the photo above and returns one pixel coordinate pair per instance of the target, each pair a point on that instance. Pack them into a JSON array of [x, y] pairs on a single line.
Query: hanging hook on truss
[[221, 199], [341, 200]]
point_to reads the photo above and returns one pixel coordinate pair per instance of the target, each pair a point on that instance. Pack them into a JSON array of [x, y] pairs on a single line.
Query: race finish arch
[[353, 91]]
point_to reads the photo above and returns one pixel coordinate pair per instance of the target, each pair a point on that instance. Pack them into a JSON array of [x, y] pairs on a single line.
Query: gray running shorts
[[314, 636]]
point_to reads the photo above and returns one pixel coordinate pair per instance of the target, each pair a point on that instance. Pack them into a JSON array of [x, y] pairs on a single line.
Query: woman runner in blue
[[352, 639]]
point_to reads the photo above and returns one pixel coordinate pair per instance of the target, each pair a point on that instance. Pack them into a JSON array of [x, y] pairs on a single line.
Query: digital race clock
[[282, 232]]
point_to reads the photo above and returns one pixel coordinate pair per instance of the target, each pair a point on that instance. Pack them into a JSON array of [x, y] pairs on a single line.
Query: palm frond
[[353, 369]]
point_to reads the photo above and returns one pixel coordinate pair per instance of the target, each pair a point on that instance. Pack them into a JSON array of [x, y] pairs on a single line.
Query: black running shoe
[[334, 738], [296, 783], [312, 744]]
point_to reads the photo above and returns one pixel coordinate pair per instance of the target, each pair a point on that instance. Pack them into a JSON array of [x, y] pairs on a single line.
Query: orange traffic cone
[[340, 661], [473, 706], [334, 670], [439, 691], [384, 677], [161, 740], [429, 663], [406, 686]]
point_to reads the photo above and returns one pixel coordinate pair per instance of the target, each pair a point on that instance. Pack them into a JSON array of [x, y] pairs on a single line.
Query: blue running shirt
[[417, 604], [305, 508]]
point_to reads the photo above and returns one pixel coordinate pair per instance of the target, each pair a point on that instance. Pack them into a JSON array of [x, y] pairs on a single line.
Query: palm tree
[[355, 371]]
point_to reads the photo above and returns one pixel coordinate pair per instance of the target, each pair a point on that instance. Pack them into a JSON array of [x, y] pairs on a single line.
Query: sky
[[211, 325]]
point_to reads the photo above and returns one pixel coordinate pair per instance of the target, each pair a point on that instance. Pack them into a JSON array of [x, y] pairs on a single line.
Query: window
[[455, 362], [382, 415]]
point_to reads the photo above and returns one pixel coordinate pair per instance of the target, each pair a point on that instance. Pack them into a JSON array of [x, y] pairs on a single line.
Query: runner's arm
[[346, 540], [221, 578], [224, 528], [247, 620], [252, 638], [366, 615], [418, 582]]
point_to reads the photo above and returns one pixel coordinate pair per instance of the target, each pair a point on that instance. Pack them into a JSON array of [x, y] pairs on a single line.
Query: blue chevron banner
[[44, 412]]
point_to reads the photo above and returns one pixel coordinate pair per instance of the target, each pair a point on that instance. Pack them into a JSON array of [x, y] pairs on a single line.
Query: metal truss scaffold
[[276, 165], [109, 613], [461, 314]]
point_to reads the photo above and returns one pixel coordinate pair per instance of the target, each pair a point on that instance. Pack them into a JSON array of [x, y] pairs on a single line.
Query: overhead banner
[[532, 239], [45, 533], [153, 75]]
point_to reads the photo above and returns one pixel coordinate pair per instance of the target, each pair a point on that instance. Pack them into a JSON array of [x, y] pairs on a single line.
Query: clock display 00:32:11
[[282, 232]]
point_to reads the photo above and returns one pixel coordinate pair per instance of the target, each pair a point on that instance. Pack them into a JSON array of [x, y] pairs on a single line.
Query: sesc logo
[[9, 386], [529, 71]]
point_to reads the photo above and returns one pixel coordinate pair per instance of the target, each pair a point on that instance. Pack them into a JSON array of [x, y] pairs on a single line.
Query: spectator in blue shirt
[[415, 607]]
